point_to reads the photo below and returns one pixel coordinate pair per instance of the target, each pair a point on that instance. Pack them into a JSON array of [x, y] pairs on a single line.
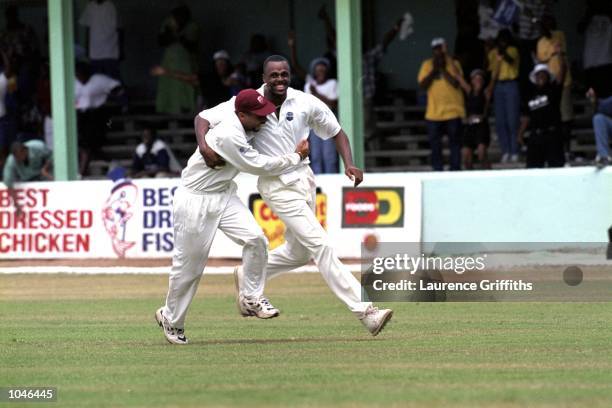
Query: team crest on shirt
[[289, 116], [242, 149]]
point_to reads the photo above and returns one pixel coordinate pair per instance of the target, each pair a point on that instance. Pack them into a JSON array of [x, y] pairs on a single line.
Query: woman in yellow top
[[551, 51], [504, 63], [441, 77]]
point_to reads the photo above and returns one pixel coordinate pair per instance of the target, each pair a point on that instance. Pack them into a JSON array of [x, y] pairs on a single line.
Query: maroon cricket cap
[[249, 100]]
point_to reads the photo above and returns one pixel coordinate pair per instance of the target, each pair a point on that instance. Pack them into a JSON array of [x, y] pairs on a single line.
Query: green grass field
[[95, 339]]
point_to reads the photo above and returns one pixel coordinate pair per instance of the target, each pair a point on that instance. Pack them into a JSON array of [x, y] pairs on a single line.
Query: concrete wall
[[561, 205]]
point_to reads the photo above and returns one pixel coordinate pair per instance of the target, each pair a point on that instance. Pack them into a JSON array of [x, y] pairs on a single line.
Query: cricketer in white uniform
[[206, 201], [292, 194]]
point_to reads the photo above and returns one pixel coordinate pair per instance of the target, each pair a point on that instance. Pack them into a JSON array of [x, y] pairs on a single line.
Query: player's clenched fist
[[355, 174], [303, 149]]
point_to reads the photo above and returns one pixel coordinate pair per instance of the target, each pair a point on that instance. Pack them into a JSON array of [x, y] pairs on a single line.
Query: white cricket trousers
[[305, 238], [197, 217]]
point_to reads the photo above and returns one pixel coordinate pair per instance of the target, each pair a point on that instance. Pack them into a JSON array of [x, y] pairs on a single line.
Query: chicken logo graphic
[[118, 210]]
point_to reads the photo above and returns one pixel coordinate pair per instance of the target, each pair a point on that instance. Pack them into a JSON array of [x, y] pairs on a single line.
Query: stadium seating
[[399, 144], [125, 132]]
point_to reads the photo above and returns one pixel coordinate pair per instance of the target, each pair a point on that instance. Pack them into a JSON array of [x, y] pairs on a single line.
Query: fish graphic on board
[[118, 210]]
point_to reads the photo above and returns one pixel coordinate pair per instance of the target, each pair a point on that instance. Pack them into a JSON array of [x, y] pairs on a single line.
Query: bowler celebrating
[[292, 194]]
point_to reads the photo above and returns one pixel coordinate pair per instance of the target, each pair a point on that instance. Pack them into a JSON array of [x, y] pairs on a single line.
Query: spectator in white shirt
[[318, 82], [91, 91], [104, 36], [323, 154]]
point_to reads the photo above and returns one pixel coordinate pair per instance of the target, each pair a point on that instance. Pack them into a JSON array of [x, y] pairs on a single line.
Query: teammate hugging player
[[207, 201]]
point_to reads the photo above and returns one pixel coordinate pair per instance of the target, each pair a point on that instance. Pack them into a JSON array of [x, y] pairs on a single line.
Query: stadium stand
[[400, 142]]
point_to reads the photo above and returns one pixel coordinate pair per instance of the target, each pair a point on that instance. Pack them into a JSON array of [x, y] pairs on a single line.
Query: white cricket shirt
[[229, 140], [299, 113]]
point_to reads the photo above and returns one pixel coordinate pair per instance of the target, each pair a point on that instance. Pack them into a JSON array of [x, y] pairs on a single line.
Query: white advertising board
[[133, 218]]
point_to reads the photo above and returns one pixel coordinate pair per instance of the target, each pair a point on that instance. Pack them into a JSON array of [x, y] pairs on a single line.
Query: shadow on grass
[[290, 340]]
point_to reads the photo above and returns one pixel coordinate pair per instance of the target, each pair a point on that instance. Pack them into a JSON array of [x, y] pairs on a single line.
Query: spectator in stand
[[253, 60], [504, 68], [91, 93], [8, 127], [546, 54], [476, 135], [43, 102], [152, 157], [441, 76], [602, 126], [597, 57], [531, 12], [223, 82], [29, 161], [179, 37], [371, 59], [216, 86], [104, 36], [489, 27], [22, 42], [542, 116], [323, 154], [330, 42]]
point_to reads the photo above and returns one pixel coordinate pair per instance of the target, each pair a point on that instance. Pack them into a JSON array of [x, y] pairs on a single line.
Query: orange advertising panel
[[273, 227]]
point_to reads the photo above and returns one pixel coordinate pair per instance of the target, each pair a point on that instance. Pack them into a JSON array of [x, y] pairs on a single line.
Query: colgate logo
[[260, 99]]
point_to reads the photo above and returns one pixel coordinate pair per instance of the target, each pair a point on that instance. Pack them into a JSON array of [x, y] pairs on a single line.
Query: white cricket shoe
[[261, 308], [375, 320], [173, 335]]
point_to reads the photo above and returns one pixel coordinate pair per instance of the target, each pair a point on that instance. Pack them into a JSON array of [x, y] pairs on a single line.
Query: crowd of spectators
[[521, 55], [509, 62], [20, 52]]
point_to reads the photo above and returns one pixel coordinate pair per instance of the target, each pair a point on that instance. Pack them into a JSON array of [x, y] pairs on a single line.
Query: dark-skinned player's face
[[277, 77], [251, 121]]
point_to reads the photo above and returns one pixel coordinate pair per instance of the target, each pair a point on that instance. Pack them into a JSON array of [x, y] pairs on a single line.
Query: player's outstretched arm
[[236, 151], [324, 123], [343, 146]]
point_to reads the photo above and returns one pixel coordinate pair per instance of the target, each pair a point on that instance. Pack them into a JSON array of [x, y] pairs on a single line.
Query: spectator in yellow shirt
[[441, 76], [504, 63], [551, 51]]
